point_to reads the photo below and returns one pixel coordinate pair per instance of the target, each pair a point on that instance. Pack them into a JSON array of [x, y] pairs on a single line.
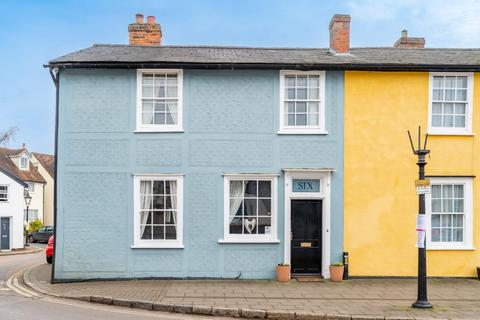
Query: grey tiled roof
[[222, 57]]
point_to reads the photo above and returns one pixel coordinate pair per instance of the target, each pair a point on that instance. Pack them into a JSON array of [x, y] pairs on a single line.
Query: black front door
[[5, 233], [306, 236]]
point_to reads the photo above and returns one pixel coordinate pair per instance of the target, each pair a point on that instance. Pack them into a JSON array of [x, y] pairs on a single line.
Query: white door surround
[[324, 175]]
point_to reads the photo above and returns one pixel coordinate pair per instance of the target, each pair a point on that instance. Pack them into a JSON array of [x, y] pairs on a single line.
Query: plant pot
[[478, 273], [336, 273], [283, 273]]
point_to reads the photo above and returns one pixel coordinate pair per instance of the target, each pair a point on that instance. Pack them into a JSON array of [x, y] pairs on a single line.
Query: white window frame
[[467, 243], [284, 128], [469, 107], [31, 187], [166, 243], [159, 127], [24, 156], [254, 238], [6, 193]]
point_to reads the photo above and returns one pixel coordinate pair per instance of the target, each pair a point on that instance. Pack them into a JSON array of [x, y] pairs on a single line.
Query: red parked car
[[49, 250]]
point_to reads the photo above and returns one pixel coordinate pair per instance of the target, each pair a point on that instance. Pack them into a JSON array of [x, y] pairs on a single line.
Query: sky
[[32, 32]]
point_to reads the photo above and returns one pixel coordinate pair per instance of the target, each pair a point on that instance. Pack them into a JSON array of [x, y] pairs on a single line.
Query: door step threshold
[[305, 278]]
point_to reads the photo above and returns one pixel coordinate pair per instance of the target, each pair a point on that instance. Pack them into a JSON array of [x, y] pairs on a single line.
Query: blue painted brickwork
[[230, 122]]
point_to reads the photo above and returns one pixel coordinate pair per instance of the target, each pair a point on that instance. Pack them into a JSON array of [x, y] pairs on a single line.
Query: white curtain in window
[[146, 202], [173, 198], [236, 197]]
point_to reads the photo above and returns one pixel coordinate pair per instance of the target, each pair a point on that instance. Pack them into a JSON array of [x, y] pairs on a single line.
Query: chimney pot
[[404, 33], [144, 34], [339, 28], [24, 145]]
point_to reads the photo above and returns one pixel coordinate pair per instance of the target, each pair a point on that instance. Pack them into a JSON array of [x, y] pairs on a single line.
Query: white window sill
[[442, 132], [451, 249], [157, 130], [157, 246], [248, 241], [302, 131]]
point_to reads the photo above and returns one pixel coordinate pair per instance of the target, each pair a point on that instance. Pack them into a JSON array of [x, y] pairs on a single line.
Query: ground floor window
[[250, 207], [449, 207], [158, 210], [32, 215]]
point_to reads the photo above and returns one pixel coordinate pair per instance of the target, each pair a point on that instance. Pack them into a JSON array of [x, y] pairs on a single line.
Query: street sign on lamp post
[[423, 187]]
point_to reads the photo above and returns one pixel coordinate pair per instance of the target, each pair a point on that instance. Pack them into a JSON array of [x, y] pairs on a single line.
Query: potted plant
[[283, 272], [336, 272]]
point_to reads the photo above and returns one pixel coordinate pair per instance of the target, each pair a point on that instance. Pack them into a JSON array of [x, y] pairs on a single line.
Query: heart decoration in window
[[249, 224]]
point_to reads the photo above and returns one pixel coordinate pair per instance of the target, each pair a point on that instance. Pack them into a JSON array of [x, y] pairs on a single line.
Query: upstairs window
[[31, 187], [302, 102], [159, 100], [450, 103], [3, 193], [24, 163]]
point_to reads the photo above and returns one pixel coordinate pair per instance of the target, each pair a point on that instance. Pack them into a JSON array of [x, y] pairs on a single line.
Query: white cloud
[[444, 23]]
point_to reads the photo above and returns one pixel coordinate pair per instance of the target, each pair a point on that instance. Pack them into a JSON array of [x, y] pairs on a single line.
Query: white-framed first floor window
[[159, 100], [250, 208], [158, 209], [449, 208], [302, 102], [450, 103], [31, 187], [32, 215], [3, 193]]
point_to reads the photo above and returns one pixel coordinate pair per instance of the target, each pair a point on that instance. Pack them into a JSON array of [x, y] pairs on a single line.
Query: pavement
[[26, 250], [17, 302], [351, 299]]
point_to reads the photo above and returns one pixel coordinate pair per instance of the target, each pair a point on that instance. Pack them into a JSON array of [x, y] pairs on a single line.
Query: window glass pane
[[158, 217], [170, 217], [436, 205], [462, 82], [449, 95], [458, 220], [301, 107], [458, 191], [159, 107], [290, 94], [301, 93], [158, 187], [250, 207], [438, 82], [461, 95], [435, 235], [290, 107], [447, 191], [301, 120], [460, 108], [159, 118], [147, 106], [313, 119], [147, 118], [458, 205], [147, 79], [264, 225], [436, 108], [435, 220], [146, 232], [438, 94], [291, 119], [446, 220], [313, 107], [160, 92], [158, 233], [448, 108], [301, 81], [447, 205], [457, 235], [172, 79], [236, 225], [449, 82], [446, 235], [170, 232], [448, 121], [171, 118], [290, 81], [313, 93], [264, 207], [264, 189], [236, 188], [172, 91], [236, 207], [436, 121], [436, 191], [460, 121], [250, 188], [158, 202]]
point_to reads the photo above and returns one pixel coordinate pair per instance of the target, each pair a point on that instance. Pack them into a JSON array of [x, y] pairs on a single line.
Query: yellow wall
[[380, 170]]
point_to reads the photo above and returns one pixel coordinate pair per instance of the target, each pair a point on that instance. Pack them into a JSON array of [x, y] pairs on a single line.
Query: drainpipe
[[55, 73]]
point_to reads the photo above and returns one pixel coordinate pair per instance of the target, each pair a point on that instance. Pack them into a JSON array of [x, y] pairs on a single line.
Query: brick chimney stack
[[409, 42], [144, 34], [340, 33]]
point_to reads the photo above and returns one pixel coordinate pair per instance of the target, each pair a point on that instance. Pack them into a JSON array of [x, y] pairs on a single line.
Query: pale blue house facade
[[167, 170]]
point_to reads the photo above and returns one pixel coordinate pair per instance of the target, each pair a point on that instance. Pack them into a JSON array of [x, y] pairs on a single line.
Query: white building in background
[[22, 171]]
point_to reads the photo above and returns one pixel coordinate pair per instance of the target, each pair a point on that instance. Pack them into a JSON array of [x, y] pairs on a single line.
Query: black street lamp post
[[28, 199], [422, 300]]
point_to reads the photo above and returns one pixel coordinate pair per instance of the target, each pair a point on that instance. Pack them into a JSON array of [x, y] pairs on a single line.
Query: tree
[[6, 136]]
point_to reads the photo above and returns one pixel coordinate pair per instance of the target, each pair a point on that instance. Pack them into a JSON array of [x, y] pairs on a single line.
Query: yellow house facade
[[380, 202]]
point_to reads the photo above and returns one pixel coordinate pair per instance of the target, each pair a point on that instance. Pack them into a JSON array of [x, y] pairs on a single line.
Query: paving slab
[[351, 299]]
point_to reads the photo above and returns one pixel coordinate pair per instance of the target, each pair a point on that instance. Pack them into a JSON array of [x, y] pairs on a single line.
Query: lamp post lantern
[[422, 300], [28, 199]]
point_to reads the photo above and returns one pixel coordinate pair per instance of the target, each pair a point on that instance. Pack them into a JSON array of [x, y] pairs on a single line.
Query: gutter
[[264, 66], [55, 74]]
